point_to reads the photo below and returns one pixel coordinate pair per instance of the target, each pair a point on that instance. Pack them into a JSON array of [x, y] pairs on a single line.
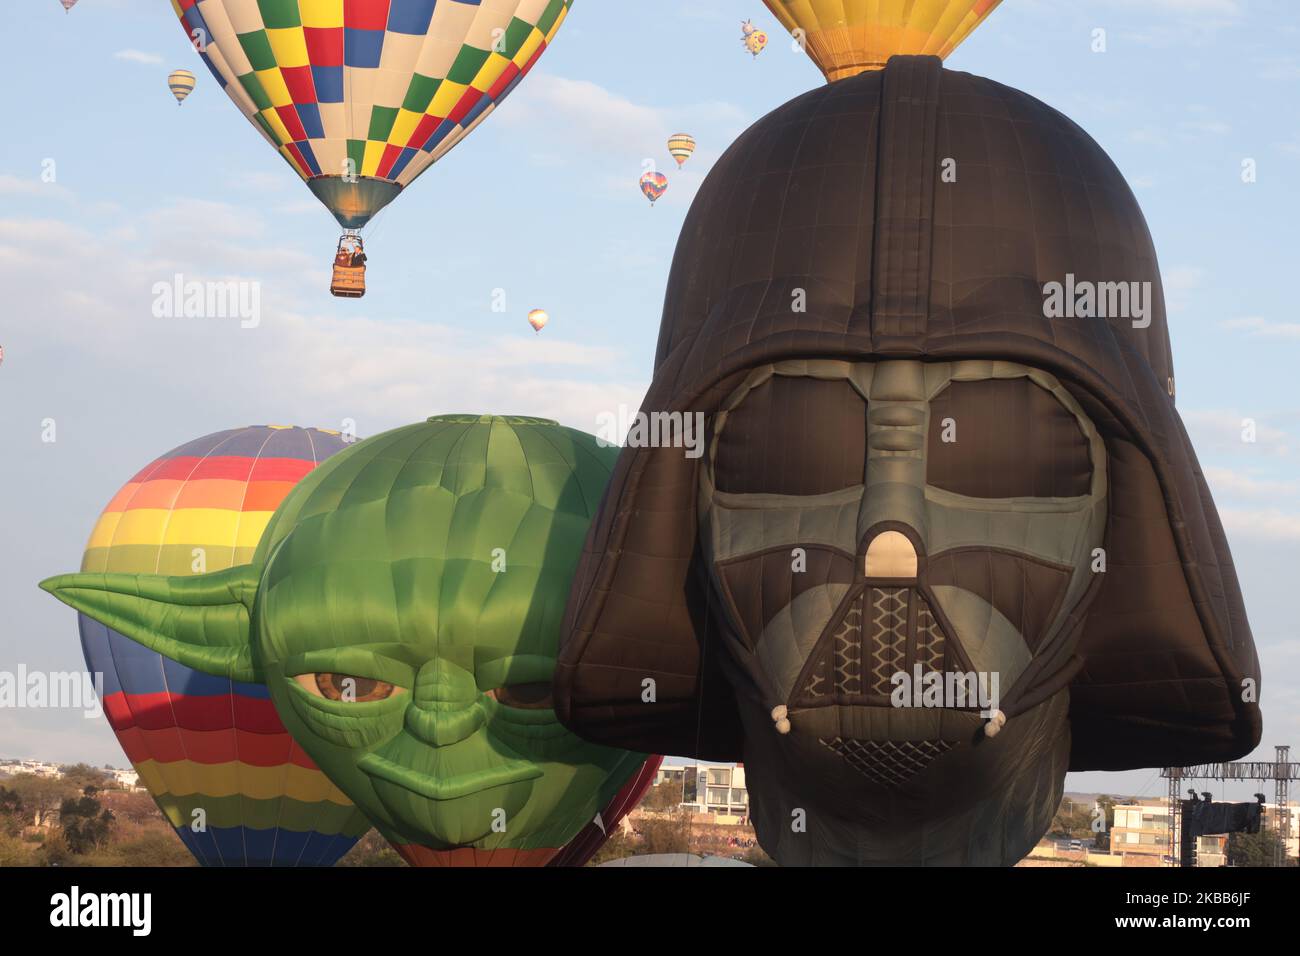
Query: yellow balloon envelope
[[848, 37]]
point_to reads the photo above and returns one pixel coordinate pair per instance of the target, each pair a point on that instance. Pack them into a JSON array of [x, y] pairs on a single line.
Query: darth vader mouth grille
[[881, 632], [886, 762]]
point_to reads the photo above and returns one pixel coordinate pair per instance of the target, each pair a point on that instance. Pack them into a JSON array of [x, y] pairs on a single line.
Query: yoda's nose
[[444, 709], [891, 554]]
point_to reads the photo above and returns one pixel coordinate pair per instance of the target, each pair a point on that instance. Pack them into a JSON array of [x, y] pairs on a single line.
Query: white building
[[11, 768], [125, 778], [718, 789]]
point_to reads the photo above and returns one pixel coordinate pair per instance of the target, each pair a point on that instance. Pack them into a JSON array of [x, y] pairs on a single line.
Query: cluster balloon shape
[[754, 39]]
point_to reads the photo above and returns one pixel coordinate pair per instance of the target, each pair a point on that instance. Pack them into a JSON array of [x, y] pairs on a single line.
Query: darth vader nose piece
[[891, 555]]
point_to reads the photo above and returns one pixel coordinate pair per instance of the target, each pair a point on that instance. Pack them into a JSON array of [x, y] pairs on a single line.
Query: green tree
[[1106, 804], [149, 849], [371, 850], [663, 796], [670, 833], [55, 851], [41, 796], [621, 843], [1254, 849], [79, 776], [13, 815], [86, 825]]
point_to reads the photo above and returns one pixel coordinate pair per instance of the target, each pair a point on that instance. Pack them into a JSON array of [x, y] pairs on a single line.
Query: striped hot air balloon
[[361, 97], [68, 4], [181, 83], [848, 37], [654, 185], [203, 743], [680, 147]]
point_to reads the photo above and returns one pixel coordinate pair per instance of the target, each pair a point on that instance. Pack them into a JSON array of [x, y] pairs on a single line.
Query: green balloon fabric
[[404, 608]]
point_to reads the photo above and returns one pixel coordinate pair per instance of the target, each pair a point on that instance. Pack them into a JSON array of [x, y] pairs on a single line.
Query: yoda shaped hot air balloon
[[403, 609], [947, 539]]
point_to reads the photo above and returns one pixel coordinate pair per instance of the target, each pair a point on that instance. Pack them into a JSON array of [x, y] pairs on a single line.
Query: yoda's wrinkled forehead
[[454, 538]]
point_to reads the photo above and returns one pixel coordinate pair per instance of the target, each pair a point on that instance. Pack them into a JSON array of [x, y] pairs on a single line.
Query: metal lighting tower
[[1281, 795]]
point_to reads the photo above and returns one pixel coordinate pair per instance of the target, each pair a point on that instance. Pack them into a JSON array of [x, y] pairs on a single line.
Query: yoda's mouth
[[449, 788]]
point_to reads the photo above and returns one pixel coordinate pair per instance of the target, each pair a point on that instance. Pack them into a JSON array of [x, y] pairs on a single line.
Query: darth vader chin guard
[[946, 543]]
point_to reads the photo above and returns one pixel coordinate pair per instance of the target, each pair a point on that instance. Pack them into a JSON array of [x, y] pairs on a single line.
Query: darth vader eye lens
[[347, 688], [794, 436], [1006, 438], [524, 696]]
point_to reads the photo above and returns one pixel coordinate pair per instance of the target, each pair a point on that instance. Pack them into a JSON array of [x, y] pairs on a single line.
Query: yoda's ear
[[201, 622]]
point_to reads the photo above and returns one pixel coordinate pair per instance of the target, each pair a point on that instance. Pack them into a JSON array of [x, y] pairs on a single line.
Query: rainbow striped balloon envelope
[[362, 96], [208, 748]]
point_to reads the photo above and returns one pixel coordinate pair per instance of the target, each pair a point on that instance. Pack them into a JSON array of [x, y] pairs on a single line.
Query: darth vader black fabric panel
[[913, 447]]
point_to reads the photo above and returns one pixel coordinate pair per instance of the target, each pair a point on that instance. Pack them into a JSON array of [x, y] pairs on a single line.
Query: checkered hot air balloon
[[204, 743], [361, 97], [181, 83], [680, 147]]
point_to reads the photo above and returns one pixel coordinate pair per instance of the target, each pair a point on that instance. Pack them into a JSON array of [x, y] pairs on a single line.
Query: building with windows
[[714, 789], [12, 768], [1142, 830]]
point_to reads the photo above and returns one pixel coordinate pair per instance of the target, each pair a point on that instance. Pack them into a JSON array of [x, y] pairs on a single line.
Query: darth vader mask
[[896, 545], [945, 543]]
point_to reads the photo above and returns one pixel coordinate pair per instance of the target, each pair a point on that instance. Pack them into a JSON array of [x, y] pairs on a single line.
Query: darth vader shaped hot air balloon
[[401, 611], [362, 97], [211, 749], [943, 539]]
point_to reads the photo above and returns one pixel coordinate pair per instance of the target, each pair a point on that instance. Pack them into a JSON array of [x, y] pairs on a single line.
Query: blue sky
[[542, 202]]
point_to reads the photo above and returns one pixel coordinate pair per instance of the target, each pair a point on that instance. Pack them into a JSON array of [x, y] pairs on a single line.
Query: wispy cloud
[[616, 134], [1264, 524], [380, 370], [1227, 481], [1225, 431], [138, 56], [1257, 326], [32, 186]]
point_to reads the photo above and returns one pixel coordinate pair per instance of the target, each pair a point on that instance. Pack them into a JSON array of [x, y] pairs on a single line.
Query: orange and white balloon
[[538, 319]]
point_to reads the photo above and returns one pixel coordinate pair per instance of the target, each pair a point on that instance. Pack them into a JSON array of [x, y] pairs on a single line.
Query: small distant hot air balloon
[[680, 147], [847, 37], [654, 185], [755, 40], [181, 83], [538, 319], [68, 5]]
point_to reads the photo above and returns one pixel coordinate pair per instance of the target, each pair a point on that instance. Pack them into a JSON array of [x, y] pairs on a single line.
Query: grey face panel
[[894, 497], [906, 586]]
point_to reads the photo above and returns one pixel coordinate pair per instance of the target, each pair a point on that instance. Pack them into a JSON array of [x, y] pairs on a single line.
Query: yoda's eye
[[347, 688], [524, 696]]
